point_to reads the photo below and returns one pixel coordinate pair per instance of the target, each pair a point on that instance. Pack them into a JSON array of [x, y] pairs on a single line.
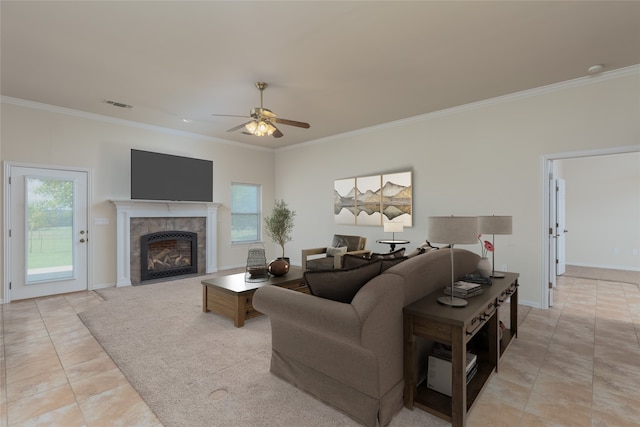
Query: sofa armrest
[[379, 304], [317, 314], [309, 252]]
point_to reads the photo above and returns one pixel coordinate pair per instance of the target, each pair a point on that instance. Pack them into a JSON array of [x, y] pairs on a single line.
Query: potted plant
[[279, 226]]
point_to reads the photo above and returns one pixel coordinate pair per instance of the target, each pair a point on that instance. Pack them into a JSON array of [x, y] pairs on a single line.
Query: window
[[245, 213]]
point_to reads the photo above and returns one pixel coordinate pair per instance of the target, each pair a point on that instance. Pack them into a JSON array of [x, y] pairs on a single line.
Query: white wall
[[480, 159], [48, 137], [477, 160], [603, 211]]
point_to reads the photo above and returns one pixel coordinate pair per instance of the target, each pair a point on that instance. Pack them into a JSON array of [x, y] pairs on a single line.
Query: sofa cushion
[[390, 262], [341, 285], [352, 261], [320, 264], [336, 251], [389, 255]]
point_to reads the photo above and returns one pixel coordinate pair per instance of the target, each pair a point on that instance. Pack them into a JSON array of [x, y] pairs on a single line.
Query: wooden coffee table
[[232, 296]]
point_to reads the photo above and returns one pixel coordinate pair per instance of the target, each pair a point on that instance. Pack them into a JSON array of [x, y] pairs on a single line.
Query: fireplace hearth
[[168, 254]]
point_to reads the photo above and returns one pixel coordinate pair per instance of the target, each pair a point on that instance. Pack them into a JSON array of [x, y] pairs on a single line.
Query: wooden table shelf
[[475, 326]]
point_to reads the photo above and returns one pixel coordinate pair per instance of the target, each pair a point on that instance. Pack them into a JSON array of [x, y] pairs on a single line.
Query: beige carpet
[[196, 369]]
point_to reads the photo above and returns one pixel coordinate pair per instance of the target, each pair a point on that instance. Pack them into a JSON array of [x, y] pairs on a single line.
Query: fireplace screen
[[168, 254]]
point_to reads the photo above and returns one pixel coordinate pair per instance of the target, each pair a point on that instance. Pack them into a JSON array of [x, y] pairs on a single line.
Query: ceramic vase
[[279, 267], [484, 267]]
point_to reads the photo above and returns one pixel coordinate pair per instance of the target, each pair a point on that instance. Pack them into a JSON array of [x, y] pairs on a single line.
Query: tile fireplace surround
[[127, 209]]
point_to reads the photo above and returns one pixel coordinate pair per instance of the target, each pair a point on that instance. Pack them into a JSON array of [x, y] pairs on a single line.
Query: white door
[[48, 231], [560, 228], [551, 271]]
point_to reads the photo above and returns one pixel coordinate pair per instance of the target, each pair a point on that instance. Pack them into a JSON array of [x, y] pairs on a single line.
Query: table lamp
[[393, 227], [494, 225], [453, 230]]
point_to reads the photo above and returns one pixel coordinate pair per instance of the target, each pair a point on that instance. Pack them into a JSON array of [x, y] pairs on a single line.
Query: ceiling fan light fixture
[[251, 127], [270, 129], [262, 120], [262, 127]]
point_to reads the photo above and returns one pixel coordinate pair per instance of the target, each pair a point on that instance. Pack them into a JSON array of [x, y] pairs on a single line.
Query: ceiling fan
[[263, 121]]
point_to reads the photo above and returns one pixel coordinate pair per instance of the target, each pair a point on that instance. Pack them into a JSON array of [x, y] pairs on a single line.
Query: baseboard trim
[[103, 286], [606, 274], [606, 267]]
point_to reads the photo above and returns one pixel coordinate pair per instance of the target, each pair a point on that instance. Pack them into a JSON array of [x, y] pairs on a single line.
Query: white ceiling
[[338, 65]]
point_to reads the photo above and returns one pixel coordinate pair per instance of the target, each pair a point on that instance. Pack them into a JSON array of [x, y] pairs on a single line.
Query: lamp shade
[[393, 227], [453, 229], [494, 224]]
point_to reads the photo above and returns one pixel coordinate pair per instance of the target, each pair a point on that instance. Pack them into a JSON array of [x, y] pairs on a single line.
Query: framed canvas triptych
[[374, 200]]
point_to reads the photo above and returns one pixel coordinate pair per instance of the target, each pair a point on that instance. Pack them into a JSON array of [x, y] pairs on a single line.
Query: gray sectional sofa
[[349, 353]]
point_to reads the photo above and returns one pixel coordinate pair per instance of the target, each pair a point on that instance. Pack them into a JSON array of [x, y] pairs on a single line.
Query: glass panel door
[[49, 221], [48, 246]]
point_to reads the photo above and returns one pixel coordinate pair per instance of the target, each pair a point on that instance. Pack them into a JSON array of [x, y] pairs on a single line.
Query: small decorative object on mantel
[[279, 227], [484, 265]]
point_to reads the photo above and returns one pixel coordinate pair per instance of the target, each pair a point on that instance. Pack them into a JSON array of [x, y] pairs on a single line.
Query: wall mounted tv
[[157, 176]]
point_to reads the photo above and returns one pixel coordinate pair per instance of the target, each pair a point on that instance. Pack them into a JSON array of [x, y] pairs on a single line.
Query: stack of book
[[474, 278], [464, 289], [439, 374]]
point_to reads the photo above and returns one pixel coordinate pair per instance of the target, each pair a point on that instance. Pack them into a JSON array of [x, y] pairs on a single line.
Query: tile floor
[[577, 364], [54, 373]]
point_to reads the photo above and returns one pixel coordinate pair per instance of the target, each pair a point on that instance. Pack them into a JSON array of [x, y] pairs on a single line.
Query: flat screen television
[[157, 176]]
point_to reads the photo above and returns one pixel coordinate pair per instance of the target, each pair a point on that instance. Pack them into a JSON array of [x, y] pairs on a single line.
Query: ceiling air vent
[[117, 104]]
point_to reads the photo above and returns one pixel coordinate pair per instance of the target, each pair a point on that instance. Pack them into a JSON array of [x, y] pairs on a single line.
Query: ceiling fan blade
[[229, 115], [277, 133], [291, 123], [238, 127]]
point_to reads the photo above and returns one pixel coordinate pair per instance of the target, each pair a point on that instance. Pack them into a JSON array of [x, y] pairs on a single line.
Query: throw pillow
[[341, 285], [336, 251], [389, 255], [352, 261], [422, 249]]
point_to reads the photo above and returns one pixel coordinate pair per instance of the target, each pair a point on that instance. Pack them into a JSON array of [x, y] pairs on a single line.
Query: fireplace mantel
[[127, 209]]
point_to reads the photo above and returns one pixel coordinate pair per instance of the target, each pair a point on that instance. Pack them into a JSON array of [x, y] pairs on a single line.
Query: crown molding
[[581, 81], [555, 87], [117, 121]]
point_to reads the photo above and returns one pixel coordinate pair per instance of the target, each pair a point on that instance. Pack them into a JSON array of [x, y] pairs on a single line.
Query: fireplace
[[168, 254], [173, 241], [136, 218]]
